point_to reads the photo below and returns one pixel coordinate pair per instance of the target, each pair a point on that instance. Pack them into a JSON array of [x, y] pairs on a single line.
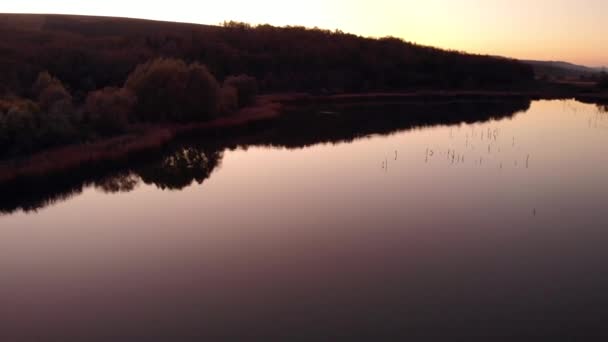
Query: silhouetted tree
[[110, 109], [55, 99], [43, 81], [122, 182], [171, 90], [229, 100], [18, 128], [181, 168], [246, 87], [52, 96], [55, 129]]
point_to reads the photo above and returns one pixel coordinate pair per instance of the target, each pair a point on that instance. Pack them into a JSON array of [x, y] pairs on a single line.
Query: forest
[[75, 79], [162, 90], [89, 53]]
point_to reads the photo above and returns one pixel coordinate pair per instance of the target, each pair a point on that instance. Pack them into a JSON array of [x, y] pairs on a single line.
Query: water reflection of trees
[[179, 165], [336, 124], [176, 169], [120, 182], [180, 169]]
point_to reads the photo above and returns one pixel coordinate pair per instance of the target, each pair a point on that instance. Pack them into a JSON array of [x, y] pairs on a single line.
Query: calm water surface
[[492, 229]]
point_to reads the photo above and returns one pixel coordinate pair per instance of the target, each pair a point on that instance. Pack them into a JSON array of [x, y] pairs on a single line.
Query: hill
[[562, 70], [88, 53]]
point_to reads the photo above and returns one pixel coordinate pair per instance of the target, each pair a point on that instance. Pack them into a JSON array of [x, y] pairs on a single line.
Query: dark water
[[405, 223]]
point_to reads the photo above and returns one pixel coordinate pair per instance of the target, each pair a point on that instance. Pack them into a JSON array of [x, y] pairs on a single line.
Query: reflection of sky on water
[[444, 227]]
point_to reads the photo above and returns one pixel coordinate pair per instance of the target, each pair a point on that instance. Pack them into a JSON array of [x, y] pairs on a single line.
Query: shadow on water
[[193, 159], [338, 124], [177, 168]]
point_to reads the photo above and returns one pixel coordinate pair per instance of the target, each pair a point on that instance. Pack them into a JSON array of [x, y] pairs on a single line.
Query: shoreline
[[144, 137], [148, 137]]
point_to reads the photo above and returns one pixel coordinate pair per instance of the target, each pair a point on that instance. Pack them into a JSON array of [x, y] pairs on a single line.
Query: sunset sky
[[571, 30]]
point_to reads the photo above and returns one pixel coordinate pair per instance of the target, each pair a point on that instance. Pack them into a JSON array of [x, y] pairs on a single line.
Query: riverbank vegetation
[[98, 83], [75, 80], [161, 91], [177, 163]]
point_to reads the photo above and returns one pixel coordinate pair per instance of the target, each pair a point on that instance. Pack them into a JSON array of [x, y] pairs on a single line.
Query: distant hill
[[562, 70], [88, 53]]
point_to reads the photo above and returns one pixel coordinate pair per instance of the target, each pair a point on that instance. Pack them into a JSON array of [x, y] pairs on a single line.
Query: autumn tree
[[110, 109], [172, 90], [246, 87], [229, 100], [17, 125], [51, 94]]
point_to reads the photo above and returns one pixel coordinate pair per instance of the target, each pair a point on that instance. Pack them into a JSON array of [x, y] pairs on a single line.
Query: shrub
[[246, 86], [110, 109], [51, 94], [55, 99], [229, 100], [43, 81], [170, 89], [55, 129], [24, 128], [19, 128]]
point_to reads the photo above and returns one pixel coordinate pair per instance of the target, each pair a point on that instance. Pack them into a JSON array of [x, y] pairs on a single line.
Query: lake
[[471, 222]]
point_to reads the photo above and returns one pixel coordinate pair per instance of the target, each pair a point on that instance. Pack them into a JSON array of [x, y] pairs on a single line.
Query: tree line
[[73, 79], [93, 53], [160, 90]]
